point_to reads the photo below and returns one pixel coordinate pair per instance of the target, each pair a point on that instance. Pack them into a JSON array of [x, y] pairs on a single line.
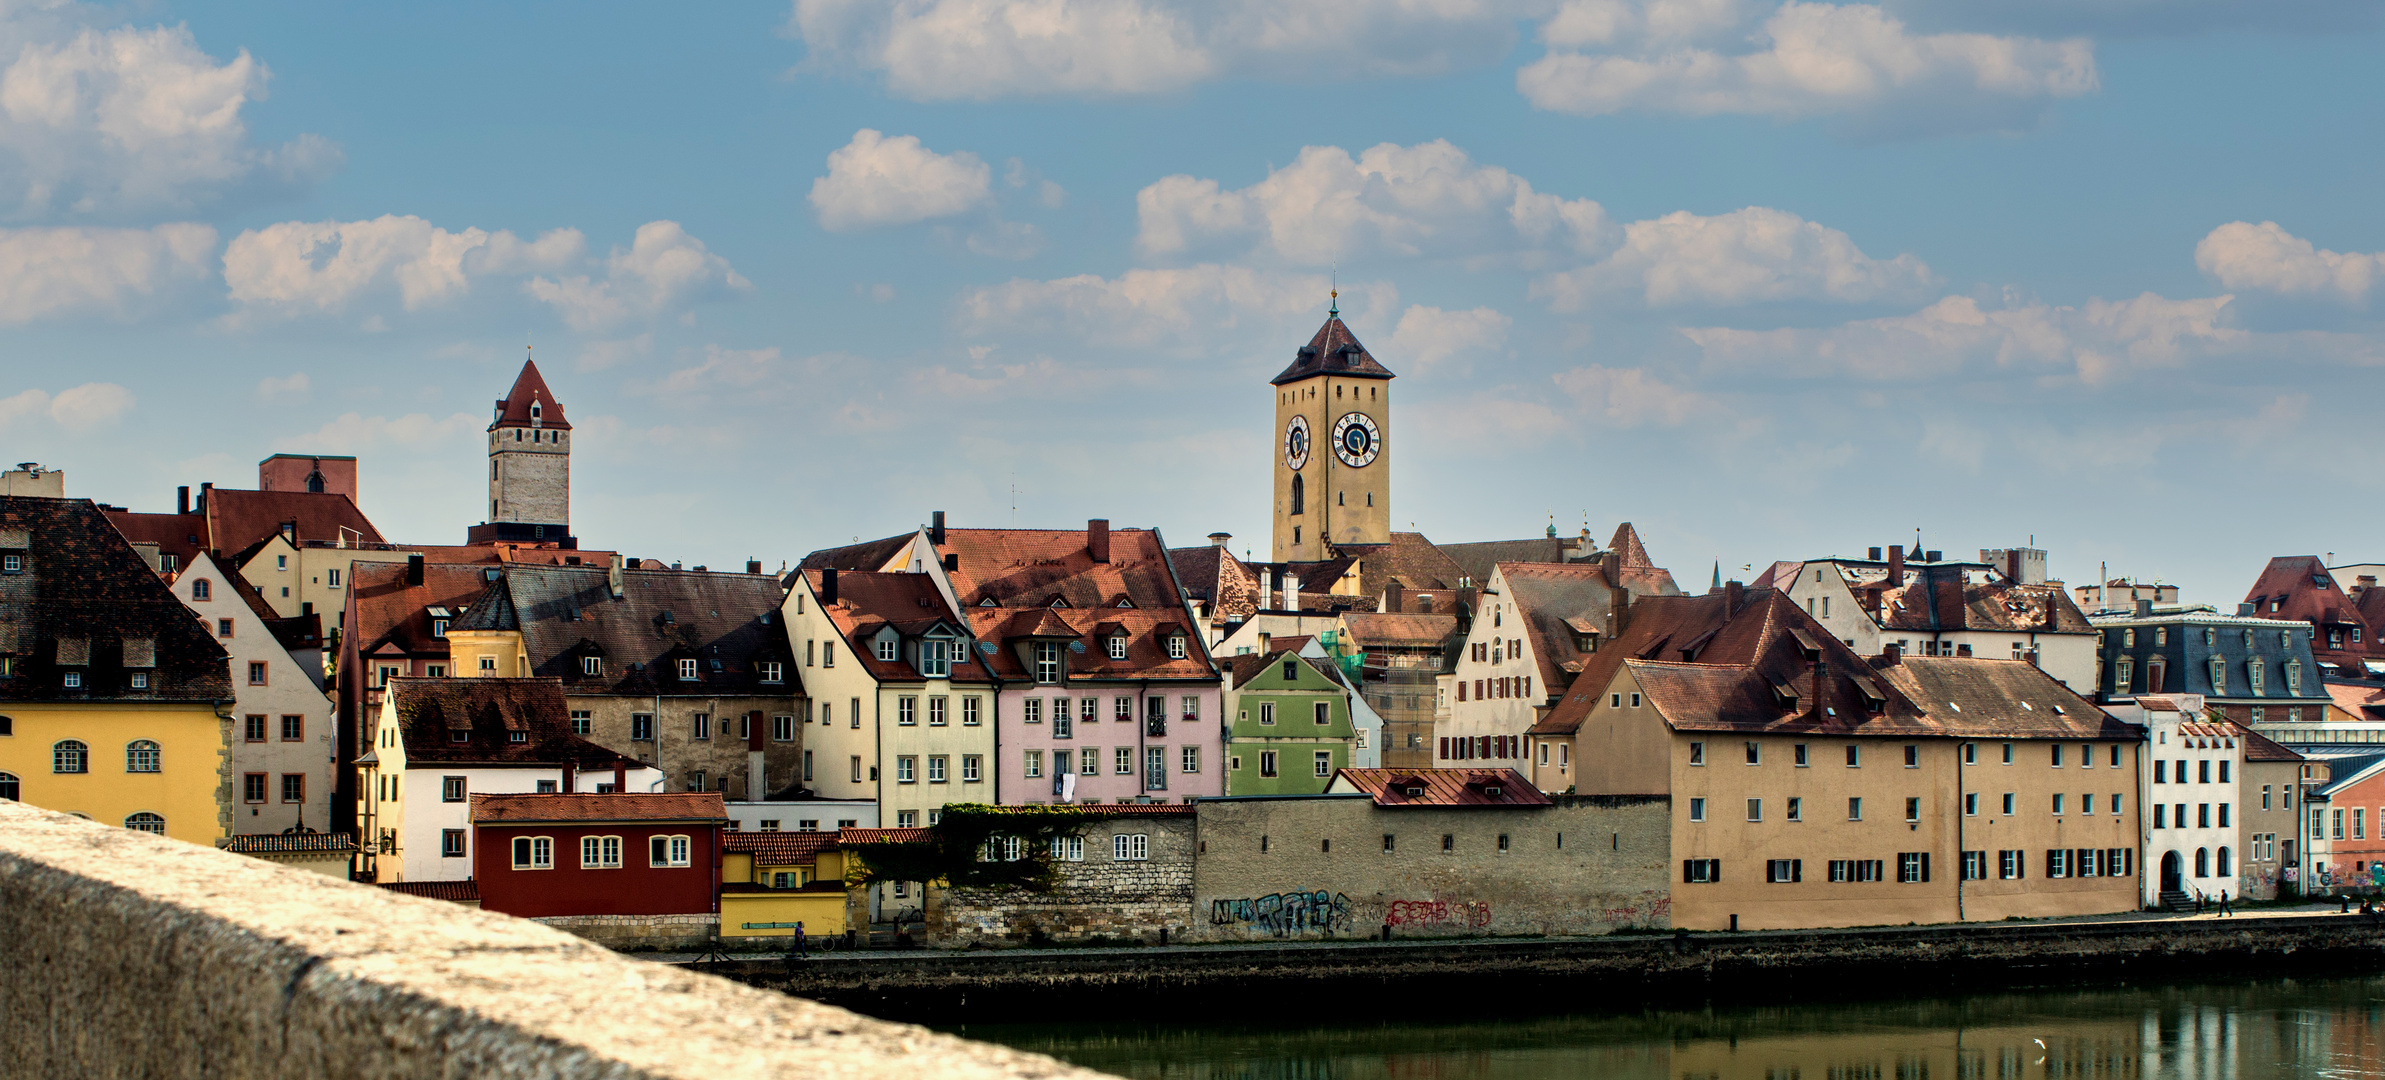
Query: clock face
[[1296, 442], [1356, 441]]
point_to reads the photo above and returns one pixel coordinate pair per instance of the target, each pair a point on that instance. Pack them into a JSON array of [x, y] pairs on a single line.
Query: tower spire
[[1334, 293]]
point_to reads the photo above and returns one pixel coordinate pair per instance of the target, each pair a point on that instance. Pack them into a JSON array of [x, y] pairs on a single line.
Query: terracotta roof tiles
[[1440, 788], [518, 808]]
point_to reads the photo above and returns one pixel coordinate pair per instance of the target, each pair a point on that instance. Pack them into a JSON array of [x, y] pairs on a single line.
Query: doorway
[[2173, 872]]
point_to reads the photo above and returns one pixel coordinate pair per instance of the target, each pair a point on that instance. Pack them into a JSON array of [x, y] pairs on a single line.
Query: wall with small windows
[[1341, 867], [152, 766], [283, 735], [1121, 878]]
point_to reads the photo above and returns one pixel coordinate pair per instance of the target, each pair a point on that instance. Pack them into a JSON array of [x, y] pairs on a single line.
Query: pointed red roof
[[514, 409], [1333, 351], [1627, 547]]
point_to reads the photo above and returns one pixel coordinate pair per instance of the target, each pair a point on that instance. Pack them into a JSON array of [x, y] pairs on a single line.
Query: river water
[[2232, 1031]]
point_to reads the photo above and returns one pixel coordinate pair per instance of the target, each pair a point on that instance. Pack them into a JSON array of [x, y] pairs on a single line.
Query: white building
[[2192, 779], [283, 740], [2002, 606]]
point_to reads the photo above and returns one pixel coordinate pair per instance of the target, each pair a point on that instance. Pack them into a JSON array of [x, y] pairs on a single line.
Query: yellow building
[[770, 881], [1332, 466], [114, 702]]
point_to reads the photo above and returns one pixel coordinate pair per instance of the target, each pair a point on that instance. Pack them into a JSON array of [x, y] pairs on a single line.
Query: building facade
[[2256, 671], [2001, 606], [1291, 725], [560, 854], [2193, 784], [283, 745], [529, 463], [1333, 460]]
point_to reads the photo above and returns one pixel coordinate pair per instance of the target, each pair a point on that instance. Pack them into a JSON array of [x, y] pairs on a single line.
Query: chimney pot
[[1218, 539], [1097, 539], [1734, 594], [753, 566], [1890, 653]]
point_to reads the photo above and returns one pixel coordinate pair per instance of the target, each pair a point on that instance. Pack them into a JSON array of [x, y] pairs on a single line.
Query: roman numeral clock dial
[[1356, 440], [1296, 443]]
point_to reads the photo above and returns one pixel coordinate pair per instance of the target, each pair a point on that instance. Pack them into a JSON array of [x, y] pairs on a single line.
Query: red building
[[613, 854]]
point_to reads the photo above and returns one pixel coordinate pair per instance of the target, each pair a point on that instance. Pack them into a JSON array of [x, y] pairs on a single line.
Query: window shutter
[[1714, 869], [1797, 870], [1925, 867], [1686, 869], [2049, 863]]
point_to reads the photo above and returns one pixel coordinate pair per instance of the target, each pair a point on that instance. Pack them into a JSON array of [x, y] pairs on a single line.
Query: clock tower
[[1332, 460]]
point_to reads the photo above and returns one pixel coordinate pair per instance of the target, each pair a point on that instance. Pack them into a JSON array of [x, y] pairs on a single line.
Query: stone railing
[[132, 955]]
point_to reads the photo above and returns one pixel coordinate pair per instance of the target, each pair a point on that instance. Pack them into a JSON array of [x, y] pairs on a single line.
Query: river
[[2229, 1031]]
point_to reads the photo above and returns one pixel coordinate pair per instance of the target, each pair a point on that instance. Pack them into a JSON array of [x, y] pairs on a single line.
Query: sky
[[1768, 280]]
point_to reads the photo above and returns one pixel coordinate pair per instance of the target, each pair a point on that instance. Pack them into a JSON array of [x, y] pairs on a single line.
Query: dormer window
[[1490, 791], [439, 628], [1175, 646], [1117, 646], [687, 669], [517, 736], [592, 666], [886, 647], [1047, 662], [459, 736], [933, 659], [769, 671], [1415, 791]]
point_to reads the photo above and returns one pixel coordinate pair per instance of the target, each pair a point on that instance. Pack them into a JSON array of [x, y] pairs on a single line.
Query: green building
[[1291, 725]]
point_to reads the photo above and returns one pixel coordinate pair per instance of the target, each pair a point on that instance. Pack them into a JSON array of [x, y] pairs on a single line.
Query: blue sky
[[1768, 280]]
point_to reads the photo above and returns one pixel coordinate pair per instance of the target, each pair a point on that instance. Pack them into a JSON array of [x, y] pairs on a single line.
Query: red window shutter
[[1461, 689], [1527, 686], [1444, 747]]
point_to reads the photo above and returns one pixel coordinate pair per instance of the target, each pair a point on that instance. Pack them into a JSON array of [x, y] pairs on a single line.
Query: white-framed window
[[699, 726], [533, 853], [969, 711], [1697, 809], [669, 851], [886, 647], [906, 711], [1122, 760], [687, 668], [1047, 662], [600, 853], [782, 728], [1175, 646], [771, 671], [1784, 871], [1068, 849], [1034, 764], [1130, 847], [1267, 712], [1117, 644], [932, 658], [142, 756], [69, 756], [906, 769], [972, 768], [936, 764], [1324, 763], [1189, 760], [936, 711], [1266, 763]]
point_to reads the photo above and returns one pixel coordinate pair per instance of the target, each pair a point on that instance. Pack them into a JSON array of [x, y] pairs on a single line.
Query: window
[[1068, 849], [146, 822], [1784, 871], [1912, 756], [1190, 760], [1047, 662], [600, 853], [1267, 713], [1122, 761], [1974, 866], [2010, 866], [972, 768], [223, 628], [1130, 847], [72, 680], [1266, 763], [936, 712], [1913, 809], [581, 719], [687, 669], [699, 726], [451, 843], [1697, 809], [932, 658], [256, 673], [141, 756], [1796, 810], [828, 654], [1970, 804], [1697, 753], [1034, 763], [1117, 643], [1854, 756], [1800, 755], [1755, 753], [2008, 800], [2161, 771], [1701, 871], [1755, 809], [1855, 809], [199, 589], [906, 769], [669, 851], [293, 787], [533, 853], [253, 727], [1324, 713], [252, 787], [2223, 770], [936, 763], [451, 789], [1913, 867], [906, 711], [969, 711], [1324, 763], [69, 756]]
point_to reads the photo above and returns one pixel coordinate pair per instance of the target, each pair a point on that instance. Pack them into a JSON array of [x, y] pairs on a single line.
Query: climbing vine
[[970, 846]]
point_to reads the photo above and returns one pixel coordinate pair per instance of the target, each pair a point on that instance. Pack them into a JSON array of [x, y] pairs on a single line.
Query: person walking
[[2224, 910], [802, 947]]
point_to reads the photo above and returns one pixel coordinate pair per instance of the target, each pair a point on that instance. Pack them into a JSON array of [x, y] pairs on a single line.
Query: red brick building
[[614, 854]]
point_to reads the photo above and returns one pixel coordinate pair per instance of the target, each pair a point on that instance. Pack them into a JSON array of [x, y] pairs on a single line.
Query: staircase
[[2175, 900]]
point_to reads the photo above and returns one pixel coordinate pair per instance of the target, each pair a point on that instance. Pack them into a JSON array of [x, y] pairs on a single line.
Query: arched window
[[141, 755], [146, 822], [69, 756], [9, 787], [1299, 494], [2227, 865], [2202, 862], [199, 589]]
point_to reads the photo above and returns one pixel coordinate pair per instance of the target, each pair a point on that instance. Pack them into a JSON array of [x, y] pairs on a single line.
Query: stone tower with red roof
[[1332, 462], [529, 462]]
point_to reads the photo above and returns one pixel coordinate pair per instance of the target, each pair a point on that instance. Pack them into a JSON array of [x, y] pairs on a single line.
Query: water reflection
[[2318, 1029]]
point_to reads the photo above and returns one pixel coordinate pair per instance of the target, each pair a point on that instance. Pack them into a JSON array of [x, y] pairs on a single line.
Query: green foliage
[[955, 849]]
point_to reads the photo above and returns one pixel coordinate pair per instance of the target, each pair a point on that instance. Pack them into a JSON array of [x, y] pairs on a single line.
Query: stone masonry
[[630, 933], [1102, 897]]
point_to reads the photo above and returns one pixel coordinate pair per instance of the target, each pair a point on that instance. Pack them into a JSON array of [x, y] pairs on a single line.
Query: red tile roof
[[1442, 787], [387, 613], [514, 410], [908, 602], [489, 712], [292, 844], [849, 837], [1372, 630], [616, 806], [1334, 350], [2257, 747], [459, 892], [779, 848]]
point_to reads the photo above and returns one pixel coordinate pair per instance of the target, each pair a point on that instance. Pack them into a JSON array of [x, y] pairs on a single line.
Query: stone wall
[[1099, 899], [669, 933], [136, 955], [1339, 867]]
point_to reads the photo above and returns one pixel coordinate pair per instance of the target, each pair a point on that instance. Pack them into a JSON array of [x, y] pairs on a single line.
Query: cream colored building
[[283, 743]]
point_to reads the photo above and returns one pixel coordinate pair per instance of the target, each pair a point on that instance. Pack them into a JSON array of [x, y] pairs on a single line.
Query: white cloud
[[324, 265], [62, 271], [77, 408], [128, 120], [874, 181], [1186, 308], [601, 355], [291, 387], [1630, 397], [1804, 59], [2098, 341], [730, 369], [2241, 255], [355, 432], [663, 269], [1428, 337], [1745, 256], [980, 49], [1424, 200]]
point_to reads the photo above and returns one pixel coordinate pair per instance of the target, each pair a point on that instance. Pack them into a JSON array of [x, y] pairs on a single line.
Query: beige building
[[1333, 467], [1812, 787], [283, 741]]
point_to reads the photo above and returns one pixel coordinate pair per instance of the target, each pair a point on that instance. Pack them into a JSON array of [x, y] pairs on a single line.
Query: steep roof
[[86, 602], [1380, 630], [1017, 583], [1552, 597], [1334, 350], [513, 410], [1196, 569], [1943, 597], [235, 520], [778, 848], [488, 712], [493, 610], [869, 555], [553, 806], [1248, 666], [386, 614], [869, 601], [726, 622], [1441, 788]]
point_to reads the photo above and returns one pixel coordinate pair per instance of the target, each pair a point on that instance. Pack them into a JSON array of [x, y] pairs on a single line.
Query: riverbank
[[1522, 976]]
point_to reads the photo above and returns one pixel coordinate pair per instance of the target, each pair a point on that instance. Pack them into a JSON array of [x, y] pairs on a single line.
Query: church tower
[[1332, 461], [529, 463]]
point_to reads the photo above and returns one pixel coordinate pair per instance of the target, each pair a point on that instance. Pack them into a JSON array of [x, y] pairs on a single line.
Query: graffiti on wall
[[1438, 913], [1286, 913]]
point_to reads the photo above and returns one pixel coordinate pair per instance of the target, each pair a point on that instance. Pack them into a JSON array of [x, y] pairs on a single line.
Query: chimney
[[757, 783], [613, 576], [413, 569], [1266, 586], [204, 488], [2012, 565], [2032, 655], [182, 499], [828, 587], [1875, 555], [1734, 594], [753, 566], [1291, 591], [1896, 566], [568, 779], [1821, 688], [620, 776], [1391, 597], [2241, 609], [1892, 655], [936, 529], [1097, 539], [2145, 609], [1218, 539], [1933, 555]]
